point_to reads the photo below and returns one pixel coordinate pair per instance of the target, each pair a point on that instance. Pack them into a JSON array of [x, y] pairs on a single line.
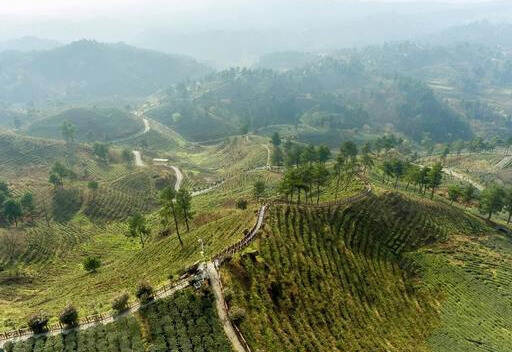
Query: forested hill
[[88, 69], [323, 98]]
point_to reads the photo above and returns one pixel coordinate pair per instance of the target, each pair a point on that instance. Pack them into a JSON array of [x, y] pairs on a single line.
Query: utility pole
[[202, 247]]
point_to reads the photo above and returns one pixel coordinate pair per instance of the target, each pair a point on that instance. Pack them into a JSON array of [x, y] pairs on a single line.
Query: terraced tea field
[[474, 278], [185, 322], [47, 281], [349, 279]]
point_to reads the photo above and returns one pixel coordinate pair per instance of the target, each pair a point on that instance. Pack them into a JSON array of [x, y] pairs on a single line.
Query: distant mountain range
[[481, 32], [88, 70], [28, 44]]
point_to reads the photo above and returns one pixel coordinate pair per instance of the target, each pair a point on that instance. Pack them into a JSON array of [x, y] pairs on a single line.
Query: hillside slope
[[88, 69], [322, 101], [90, 124], [369, 278]]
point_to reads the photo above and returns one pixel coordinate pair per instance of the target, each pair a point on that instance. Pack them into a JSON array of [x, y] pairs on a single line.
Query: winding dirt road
[[138, 159], [460, 176], [179, 178], [268, 155], [146, 129]]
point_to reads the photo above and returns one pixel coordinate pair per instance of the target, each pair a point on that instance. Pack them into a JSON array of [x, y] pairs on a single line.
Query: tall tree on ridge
[[138, 228], [169, 208], [492, 200], [184, 203], [435, 176]]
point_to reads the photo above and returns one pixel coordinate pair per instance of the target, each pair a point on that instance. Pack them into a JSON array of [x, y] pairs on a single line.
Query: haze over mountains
[[28, 43], [227, 32], [88, 69]]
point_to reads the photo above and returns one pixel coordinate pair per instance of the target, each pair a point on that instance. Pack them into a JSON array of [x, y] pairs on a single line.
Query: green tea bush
[[237, 315], [38, 323], [91, 264], [120, 303], [144, 292], [69, 316]]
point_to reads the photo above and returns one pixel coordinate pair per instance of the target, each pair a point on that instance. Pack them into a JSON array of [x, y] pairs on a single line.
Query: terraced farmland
[[40, 244], [474, 278], [18, 151], [47, 281], [130, 194], [344, 280], [185, 322]]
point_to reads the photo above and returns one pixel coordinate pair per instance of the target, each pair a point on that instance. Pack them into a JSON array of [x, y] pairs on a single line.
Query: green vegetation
[[69, 316], [413, 135], [91, 264], [144, 292], [364, 257], [88, 125], [138, 228], [120, 303], [185, 322], [169, 210], [44, 266], [259, 99], [105, 71], [38, 323], [283, 280]]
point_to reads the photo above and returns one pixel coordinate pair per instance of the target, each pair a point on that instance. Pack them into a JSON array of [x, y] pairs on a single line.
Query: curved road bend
[[138, 159], [179, 178], [146, 129]]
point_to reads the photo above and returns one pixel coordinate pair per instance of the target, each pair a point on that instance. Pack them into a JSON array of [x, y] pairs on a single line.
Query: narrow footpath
[[222, 308]]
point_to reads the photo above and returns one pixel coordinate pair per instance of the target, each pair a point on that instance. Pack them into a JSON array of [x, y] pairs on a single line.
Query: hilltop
[[100, 124], [385, 274], [90, 70]]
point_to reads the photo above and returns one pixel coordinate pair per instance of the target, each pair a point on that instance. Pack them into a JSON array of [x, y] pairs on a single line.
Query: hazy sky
[[200, 27], [57, 8]]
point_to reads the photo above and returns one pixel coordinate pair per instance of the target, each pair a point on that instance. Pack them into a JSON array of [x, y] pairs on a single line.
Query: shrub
[[120, 304], [91, 264], [38, 323], [241, 204], [9, 346], [237, 315], [69, 316], [144, 292], [65, 204], [228, 294]]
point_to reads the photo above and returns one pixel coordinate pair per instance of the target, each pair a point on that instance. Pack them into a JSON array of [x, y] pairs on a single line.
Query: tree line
[[175, 209], [309, 169]]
